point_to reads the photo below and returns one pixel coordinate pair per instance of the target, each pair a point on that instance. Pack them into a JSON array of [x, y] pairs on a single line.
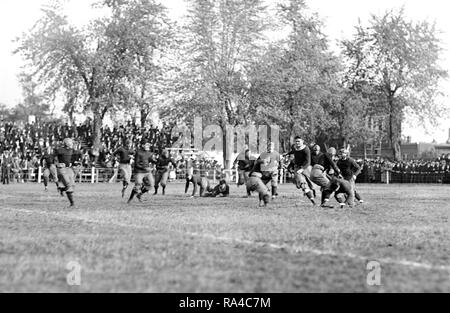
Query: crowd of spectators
[[412, 171], [21, 147]]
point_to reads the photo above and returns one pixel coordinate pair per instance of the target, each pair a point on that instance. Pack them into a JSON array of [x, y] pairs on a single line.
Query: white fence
[[112, 175]]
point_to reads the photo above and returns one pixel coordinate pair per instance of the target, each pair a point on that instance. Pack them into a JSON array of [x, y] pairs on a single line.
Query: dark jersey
[[325, 160], [163, 163], [142, 161], [256, 167], [349, 168], [124, 155], [246, 165], [47, 160], [302, 158], [76, 157], [66, 156]]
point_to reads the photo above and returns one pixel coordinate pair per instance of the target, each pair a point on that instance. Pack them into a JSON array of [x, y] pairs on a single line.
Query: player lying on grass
[[197, 181], [143, 176], [222, 189]]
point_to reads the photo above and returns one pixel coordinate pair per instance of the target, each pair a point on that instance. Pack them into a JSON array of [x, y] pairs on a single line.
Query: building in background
[[410, 151]]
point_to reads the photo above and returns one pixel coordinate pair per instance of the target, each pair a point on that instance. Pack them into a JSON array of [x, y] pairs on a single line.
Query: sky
[[340, 17]]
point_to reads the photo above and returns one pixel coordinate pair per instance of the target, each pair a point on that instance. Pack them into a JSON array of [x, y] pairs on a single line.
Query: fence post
[[93, 175], [215, 177], [388, 177], [39, 175], [237, 176]]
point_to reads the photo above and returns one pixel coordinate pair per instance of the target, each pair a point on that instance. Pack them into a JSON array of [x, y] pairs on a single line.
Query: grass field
[[178, 244]]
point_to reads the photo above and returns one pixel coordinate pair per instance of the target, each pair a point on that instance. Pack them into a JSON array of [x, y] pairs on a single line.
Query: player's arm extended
[[333, 164], [356, 168], [236, 161], [289, 153]]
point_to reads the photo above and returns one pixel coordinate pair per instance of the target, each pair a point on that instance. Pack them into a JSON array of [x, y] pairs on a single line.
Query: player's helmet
[[332, 151], [68, 143], [344, 152], [146, 145]]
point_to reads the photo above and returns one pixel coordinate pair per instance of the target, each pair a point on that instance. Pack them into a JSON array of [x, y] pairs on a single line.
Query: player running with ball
[[65, 158], [124, 155], [143, 176], [163, 170]]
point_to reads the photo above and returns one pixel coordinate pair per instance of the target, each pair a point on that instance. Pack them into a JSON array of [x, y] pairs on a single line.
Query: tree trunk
[[97, 134], [313, 124], [291, 136], [395, 131], [144, 116], [226, 159]]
